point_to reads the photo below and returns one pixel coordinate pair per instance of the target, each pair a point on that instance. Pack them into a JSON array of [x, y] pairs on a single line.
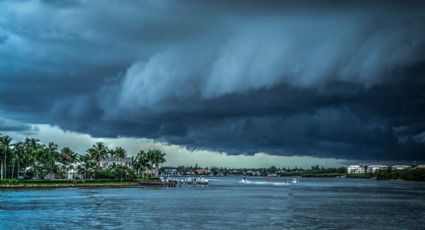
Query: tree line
[[32, 159], [417, 174]]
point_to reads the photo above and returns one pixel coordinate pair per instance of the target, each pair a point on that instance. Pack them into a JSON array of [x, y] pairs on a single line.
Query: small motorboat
[[246, 181]]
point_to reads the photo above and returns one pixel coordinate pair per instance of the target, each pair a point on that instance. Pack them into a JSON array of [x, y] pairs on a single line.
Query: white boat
[[245, 181]]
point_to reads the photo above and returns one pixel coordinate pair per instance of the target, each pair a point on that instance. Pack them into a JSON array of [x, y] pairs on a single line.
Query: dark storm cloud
[[329, 78]]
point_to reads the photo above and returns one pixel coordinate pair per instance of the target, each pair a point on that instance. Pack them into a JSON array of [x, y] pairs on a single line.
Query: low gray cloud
[[342, 80], [7, 125], [420, 138]]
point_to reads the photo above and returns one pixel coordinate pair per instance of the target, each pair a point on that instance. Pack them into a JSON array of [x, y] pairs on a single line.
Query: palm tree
[[67, 157], [142, 161], [14, 158], [135, 165], [18, 153], [1, 157], [157, 157], [6, 143], [112, 154], [86, 165], [97, 153], [39, 160], [120, 153], [32, 148], [51, 156]]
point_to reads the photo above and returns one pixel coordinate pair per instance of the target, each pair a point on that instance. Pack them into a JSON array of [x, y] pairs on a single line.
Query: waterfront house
[[400, 167], [72, 172], [355, 169], [170, 172], [253, 173], [37, 175], [109, 162], [69, 172], [203, 171], [375, 168]]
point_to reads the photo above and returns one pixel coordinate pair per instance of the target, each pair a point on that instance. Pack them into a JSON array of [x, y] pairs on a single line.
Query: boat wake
[[293, 181], [214, 179]]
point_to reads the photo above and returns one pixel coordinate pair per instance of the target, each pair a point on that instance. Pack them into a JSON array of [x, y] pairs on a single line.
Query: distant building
[[170, 172], [400, 167], [109, 162], [203, 171], [375, 168], [355, 169], [72, 172], [420, 167], [252, 173]]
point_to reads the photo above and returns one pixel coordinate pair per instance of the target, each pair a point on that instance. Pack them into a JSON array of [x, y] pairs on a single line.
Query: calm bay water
[[224, 204]]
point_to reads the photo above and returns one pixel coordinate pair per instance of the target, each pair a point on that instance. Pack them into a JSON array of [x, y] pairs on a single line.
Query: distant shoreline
[[47, 184], [52, 184]]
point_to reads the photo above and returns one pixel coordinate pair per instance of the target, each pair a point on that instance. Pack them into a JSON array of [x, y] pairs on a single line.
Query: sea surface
[[314, 203]]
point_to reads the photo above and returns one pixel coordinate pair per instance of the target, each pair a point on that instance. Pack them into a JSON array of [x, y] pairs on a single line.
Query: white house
[[355, 169], [400, 167], [72, 172], [375, 168], [109, 162]]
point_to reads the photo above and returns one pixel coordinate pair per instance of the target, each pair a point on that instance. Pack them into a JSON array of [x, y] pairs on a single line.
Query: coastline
[[81, 184], [151, 182]]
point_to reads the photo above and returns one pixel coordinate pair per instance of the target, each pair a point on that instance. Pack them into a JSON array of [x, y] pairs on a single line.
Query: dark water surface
[[224, 204]]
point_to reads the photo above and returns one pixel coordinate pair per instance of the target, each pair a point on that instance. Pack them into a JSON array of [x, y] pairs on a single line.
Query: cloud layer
[[342, 81]]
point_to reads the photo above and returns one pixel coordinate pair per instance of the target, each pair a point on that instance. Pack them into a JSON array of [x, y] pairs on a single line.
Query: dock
[[163, 183], [185, 181]]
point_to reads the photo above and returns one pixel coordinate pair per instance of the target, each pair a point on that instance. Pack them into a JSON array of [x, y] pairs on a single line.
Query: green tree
[[120, 153], [142, 162], [67, 157], [156, 157], [5, 144], [52, 156], [97, 153], [111, 153], [18, 155], [32, 147], [86, 165]]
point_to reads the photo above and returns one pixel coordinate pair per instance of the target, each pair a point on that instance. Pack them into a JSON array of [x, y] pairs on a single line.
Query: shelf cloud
[[327, 79]]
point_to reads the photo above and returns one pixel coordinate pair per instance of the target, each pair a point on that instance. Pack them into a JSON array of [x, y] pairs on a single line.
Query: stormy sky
[[322, 79]]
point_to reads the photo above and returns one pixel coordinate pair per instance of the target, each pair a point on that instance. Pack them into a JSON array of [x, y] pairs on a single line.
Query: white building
[[109, 162], [400, 167], [72, 172], [170, 172], [355, 169], [375, 168]]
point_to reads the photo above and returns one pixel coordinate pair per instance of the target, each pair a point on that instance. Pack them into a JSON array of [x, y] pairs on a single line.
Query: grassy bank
[[77, 183], [365, 176], [323, 175]]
